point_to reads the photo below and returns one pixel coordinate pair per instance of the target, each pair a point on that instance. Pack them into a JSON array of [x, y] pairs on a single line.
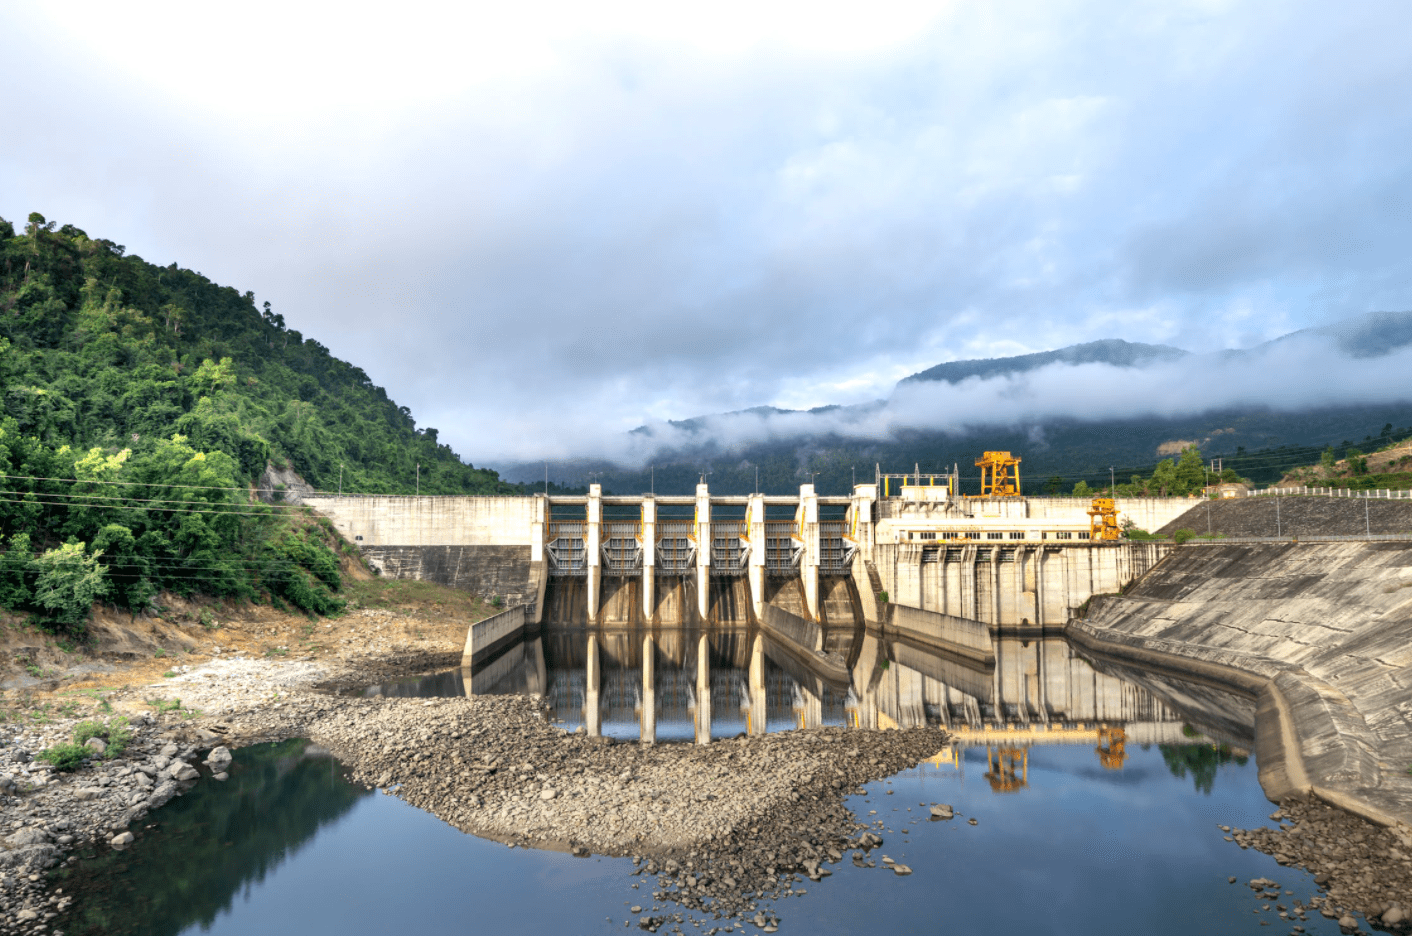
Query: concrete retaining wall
[[485, 638], [1319, 633], [429, 521], [482, 570], [942, 629]]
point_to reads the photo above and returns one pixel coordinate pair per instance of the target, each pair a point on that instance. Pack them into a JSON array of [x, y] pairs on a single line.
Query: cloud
[[542, 225], [1304, 371]]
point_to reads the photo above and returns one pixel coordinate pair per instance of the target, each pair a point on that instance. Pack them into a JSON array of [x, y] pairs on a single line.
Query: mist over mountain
[[1114, 352], [1074, 412]]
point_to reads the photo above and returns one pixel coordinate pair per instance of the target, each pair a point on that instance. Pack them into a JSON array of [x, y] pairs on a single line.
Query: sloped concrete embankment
[[1295, 517], [1318, 634]]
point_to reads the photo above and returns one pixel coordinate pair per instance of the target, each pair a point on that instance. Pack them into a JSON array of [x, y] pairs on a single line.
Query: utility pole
[[1112, 482]]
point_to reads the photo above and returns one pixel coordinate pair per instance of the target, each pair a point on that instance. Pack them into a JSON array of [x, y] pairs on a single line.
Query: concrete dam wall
[[1318, 634]]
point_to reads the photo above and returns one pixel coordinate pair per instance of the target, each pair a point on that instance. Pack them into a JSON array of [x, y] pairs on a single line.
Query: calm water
[[1098, 794], [286, 846]]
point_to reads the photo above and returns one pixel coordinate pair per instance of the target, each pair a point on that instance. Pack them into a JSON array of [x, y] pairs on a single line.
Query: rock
[[901, 870], [169, 749], [118, 841], [547, 794], [30, 836], [1393, 915], [942, 811], [971, 821], [163, 792], [96, 745], [87, 793], [220, 776], [1347, 923], [185, 772], [219, 758], [24, 916], [161, 761], [1230, 880], [634, 909], [1321, 879], [142, 780], [7, 783]]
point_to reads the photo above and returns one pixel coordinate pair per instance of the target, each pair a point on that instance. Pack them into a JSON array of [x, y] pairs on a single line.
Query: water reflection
[[685, 684], [214, 844]]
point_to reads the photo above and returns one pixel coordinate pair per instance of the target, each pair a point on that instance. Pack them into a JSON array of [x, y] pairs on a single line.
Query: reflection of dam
[[719, 678]]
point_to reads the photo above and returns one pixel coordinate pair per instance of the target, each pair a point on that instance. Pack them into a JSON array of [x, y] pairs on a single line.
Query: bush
[[114, 732], [69, 582], [65, 756], [1181, 536]]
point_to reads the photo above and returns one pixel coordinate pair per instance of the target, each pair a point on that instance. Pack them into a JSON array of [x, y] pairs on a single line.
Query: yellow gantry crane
[[1000, 474], [1103, 520], [1112, 743]]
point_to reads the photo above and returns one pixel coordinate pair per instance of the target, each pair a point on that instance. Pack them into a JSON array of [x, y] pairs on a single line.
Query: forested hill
[[139, 405], [106, 349]]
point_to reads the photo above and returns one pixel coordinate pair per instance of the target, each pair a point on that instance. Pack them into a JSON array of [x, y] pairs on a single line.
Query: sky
[[543, 226]]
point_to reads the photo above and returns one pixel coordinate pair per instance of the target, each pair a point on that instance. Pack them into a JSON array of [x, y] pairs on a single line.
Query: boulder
[[942, 811], [184, 773], [29, 836], [219, 758], [1393, 915], [96, 745], [121, 840]]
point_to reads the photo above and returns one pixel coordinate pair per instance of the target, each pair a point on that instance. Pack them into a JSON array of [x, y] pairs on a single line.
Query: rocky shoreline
[[721, 827], [717, 829]]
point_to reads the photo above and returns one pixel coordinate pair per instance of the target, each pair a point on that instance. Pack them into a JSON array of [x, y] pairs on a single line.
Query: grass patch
[[65, 756], [114, 732], [161, 705]]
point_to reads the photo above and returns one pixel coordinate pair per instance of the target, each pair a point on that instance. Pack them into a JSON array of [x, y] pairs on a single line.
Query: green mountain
[[1112, 351], [140, 406]]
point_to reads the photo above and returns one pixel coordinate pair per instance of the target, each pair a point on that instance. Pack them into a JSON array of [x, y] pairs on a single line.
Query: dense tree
[[139, 404]]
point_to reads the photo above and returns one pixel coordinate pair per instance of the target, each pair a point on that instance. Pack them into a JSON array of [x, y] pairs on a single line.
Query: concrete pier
[[758, 714], [593, 681], [703, 690], [648, 734]]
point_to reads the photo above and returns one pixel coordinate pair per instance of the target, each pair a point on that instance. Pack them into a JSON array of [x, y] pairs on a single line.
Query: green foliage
[[1083, 490], [67, 583], [1357, 462], [65, 756], [138, 406], [1199, 760], [497, 602], [1140, 535], [114, 732], [161, 705], [1183, 535], [1327, 459], [882, 596], [105, 349]]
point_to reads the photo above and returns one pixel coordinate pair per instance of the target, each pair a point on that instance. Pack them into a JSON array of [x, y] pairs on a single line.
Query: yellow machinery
[[1110, 750], [1103, 520], [1008, 768], [1000, 474]]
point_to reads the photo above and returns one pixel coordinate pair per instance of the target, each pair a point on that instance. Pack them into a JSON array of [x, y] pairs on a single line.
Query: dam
[[909, 540]]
